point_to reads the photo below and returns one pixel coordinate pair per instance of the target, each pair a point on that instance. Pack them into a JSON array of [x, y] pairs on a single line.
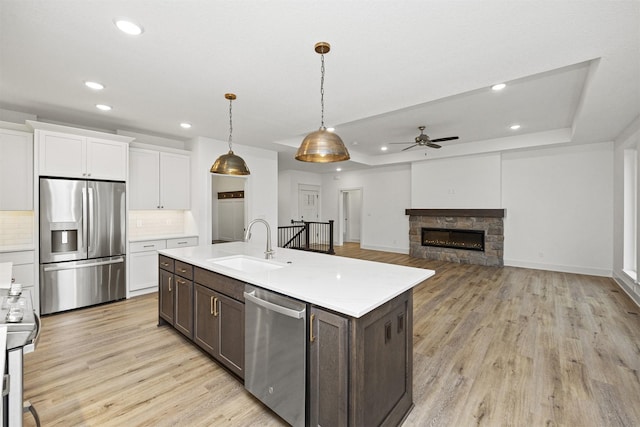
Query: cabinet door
[[328, 370], [16, 170], [166, 298], [205, 326], [219, 328], [61, 154], [144, 184], [106, 159], [143, 267], [231, 334], [183, 314], [175, 179]]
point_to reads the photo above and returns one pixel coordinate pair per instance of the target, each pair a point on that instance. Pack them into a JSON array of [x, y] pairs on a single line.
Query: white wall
[[262, 185], [558, 201], [288, 183], [458, 182], [559, 205], [385, 196]]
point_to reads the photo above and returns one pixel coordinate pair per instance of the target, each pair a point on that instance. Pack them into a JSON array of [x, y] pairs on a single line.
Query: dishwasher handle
[[274, 307]]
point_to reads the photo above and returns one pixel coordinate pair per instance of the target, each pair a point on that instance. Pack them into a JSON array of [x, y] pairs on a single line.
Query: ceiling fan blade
[[405, 149], [402, 142], [432, 145], [450, 138]]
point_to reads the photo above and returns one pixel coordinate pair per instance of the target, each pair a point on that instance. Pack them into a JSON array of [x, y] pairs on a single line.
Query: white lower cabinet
[[143, 262]]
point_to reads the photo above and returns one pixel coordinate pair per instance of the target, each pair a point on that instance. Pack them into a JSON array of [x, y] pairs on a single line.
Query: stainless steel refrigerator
[[82, 243]]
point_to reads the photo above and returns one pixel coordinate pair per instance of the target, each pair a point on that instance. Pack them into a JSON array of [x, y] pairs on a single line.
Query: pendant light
[[230, 164], [322, 146]]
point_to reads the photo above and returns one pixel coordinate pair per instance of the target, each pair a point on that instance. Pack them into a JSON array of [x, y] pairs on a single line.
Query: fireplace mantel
[[483, 213]]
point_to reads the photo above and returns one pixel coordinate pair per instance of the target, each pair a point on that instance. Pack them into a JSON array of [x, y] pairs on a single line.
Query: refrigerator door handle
[[90, 208], [84, 265], [84, 234]]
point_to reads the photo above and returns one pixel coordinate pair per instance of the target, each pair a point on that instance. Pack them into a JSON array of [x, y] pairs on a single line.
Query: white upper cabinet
[[175, 179], [16, 170], [77, 156], [159, 180]]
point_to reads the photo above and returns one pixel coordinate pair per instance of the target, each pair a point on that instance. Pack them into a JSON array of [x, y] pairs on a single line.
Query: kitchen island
[[359, 322]]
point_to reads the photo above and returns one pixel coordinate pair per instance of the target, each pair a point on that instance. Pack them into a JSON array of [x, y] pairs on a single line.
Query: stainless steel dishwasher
[[275, 352]]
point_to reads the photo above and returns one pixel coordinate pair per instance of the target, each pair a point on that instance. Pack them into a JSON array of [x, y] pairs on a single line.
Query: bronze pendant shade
[[322, 146], [230, 163]]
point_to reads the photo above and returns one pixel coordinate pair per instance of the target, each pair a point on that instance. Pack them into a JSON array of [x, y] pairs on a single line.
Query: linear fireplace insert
[[453, 238]]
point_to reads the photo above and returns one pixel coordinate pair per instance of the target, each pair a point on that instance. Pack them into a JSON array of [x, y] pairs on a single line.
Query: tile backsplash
[[16, 228], [155, 223]]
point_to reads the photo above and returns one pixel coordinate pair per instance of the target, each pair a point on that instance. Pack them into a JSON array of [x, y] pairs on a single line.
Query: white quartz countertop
[[161, 237], [349, 286]]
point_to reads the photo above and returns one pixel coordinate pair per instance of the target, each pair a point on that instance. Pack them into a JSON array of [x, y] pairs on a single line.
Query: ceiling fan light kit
[[322, 146], [230, 163]]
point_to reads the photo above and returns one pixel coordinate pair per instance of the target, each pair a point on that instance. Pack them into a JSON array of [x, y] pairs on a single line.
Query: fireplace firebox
[[453, 238]]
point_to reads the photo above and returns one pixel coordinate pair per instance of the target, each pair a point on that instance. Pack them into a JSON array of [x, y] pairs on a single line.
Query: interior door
[[308, 200]]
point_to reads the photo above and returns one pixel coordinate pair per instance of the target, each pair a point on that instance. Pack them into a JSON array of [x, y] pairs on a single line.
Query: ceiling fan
[[423, 140]]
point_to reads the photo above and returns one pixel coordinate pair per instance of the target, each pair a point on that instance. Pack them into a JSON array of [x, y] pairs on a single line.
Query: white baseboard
[[627, 286], [561, 268]]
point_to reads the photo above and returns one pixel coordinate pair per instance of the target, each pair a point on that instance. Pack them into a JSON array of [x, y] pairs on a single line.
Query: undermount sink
[[246, 264]]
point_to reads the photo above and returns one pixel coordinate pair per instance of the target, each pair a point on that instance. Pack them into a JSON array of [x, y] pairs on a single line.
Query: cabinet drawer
[[183, 269], [223, 284], [147, 245], [182, 242], [165, 263]]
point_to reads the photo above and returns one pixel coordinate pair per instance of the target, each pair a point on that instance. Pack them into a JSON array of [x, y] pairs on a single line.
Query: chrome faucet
[[268, 254]]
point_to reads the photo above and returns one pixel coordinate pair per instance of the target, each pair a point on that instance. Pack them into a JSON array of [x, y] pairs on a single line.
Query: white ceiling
[[572, 69]]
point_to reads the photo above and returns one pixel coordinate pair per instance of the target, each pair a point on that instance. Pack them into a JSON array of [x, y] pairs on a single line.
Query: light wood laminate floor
[[492, 347]]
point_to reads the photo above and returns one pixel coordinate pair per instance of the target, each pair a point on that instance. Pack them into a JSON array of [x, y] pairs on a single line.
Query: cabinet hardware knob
[[182, 270], [215, 307], [311, 337], [170, 283]]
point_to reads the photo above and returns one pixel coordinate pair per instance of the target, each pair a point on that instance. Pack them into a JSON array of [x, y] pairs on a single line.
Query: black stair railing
[[307, 236]]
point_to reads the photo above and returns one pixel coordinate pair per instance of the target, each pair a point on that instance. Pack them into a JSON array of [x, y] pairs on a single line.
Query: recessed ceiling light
[[128, 27], [103, 107], [338, 169], [499, 86], [94, 85], [185, 125], [383, 148], [354, 143], [514, 127]]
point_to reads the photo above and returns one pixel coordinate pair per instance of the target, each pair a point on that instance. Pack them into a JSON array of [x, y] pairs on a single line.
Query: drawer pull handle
[[170, 283], [165, 264], [180, 282], [148, 246], [182, 270], [311, 337], [215, 307], [182, 243]]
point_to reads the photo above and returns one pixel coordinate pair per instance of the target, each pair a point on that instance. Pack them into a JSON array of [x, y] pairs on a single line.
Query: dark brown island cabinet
[[360, 370]]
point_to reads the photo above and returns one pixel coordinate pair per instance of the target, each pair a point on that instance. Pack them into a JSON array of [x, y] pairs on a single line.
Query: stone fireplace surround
[[489, 220]]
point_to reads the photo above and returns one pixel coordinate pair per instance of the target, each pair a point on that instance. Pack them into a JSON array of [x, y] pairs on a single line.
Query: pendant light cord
[[322, 91], [230, 124]]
